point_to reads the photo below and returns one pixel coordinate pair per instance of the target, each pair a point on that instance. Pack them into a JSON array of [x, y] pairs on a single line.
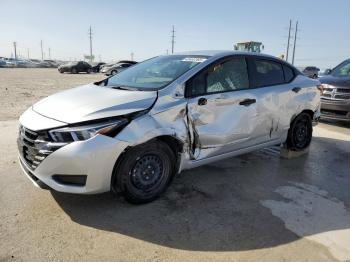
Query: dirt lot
[[253, 207]]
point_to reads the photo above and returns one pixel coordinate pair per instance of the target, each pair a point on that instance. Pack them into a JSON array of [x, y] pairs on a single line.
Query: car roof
[[221, 53]]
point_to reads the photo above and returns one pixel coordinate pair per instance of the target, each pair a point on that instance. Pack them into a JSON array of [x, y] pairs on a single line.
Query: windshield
[[155, 73], [342, 70]]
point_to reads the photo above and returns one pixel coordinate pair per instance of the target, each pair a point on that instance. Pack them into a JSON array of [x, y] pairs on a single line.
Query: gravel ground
[[256, 207], [21, 87]]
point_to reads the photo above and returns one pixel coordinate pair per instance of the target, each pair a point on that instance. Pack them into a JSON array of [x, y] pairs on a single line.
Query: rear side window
[[288, 73], [267, 73]]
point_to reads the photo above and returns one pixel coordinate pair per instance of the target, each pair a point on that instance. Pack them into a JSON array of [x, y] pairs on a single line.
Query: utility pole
[[132, 56], [49, 53], [172, 40], [28, 53], [15, 47], [90, 36], [290, 28], [295, 41], [42, 52]]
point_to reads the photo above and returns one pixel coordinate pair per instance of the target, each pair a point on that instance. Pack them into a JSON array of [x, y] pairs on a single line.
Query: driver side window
[[226, 76]]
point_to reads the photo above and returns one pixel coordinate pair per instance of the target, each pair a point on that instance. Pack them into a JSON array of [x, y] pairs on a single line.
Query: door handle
[[202, 101], [247, 102], [296, 89]]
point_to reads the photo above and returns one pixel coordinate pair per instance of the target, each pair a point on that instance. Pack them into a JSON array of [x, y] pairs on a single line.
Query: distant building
[[251, 46]]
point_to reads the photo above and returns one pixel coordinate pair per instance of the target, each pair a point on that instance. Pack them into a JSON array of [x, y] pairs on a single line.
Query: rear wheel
[[144, 172], [300, 133]]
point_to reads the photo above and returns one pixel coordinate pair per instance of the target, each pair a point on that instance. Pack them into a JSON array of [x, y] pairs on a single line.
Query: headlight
[[79, 133]]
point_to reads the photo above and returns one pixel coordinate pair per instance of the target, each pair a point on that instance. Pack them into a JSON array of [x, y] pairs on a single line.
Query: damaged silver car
[[132, 132]]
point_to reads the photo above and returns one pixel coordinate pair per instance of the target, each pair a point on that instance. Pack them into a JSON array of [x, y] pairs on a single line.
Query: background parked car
[[335, 99], [96, 67], [2, 63], [38, 63], [51, 63], [311, 71], [118, 67], [75, 67]]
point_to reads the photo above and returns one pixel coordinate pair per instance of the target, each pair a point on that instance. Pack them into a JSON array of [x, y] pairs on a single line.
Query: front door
[[222, 110]]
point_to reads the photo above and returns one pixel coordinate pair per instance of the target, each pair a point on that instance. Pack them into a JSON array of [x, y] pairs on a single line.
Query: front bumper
[[94, 158], [335, 109]]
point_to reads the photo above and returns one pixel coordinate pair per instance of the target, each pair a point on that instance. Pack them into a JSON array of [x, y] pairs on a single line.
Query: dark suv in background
[[335, 99]]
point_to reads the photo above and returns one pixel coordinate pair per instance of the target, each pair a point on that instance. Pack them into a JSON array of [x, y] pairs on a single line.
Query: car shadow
[[218, 207]]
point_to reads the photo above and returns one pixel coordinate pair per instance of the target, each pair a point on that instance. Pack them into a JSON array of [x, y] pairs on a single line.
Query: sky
[[143, 27]]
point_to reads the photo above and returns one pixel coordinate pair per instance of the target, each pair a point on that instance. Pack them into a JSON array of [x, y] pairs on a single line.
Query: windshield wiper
[[124, 88]]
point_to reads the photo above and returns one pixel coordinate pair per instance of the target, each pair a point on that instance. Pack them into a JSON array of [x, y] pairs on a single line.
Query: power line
[[172, 40], [290, 28], [295, 41]]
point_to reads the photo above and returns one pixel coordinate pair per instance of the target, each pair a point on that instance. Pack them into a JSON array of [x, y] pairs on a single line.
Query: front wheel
[[144, 172], [300, 133]]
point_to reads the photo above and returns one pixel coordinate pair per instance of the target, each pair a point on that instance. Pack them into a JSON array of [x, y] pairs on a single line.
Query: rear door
[[222, 110], [273, 85]]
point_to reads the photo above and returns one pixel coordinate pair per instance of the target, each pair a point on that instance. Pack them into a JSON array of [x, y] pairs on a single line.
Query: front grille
[[34, 146], [336, 93], [342, 96], [343, 90]]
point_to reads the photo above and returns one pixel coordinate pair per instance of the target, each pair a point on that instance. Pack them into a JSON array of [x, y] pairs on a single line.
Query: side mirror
[[328, 71]]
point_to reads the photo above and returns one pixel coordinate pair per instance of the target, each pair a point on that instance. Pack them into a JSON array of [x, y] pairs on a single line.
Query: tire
[[144, 172], [300, 133], [114, 72], [89, 71], [74, 71]]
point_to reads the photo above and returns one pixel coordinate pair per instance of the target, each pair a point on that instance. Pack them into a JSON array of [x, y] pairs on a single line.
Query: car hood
[[92, 102], [335, 81]]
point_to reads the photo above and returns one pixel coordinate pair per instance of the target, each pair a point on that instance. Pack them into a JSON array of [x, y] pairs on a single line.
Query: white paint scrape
[[311, 213]]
